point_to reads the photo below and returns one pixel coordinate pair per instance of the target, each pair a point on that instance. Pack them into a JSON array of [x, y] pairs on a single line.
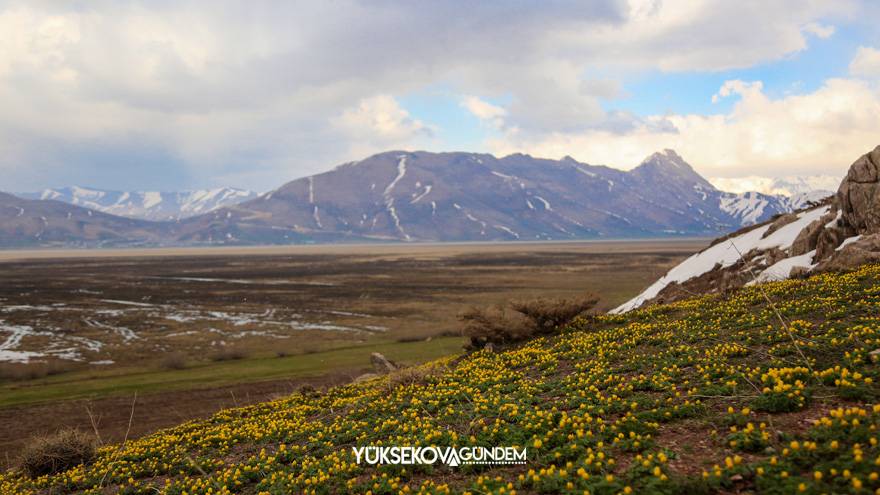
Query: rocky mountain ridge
[[841, 233], [146, 205]]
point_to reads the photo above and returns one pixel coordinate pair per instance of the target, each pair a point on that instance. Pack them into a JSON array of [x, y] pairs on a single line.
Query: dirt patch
[[695, 443], [151, 412]]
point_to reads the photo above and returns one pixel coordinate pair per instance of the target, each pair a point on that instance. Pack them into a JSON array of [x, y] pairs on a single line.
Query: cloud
[[261, 92], [379, 123], [814, 133], [822, 31], [485, 111], [866, 63]]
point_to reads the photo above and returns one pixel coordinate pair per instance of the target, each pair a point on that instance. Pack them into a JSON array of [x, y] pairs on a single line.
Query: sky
[[171, 95]]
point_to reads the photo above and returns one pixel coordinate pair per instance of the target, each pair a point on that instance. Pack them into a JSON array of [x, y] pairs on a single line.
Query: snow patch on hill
[[727, 253]]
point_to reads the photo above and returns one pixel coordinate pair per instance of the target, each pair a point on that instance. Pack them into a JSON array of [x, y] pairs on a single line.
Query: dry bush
[[229, 354], [173, 361], [57, 453], [549, 314], [525, 319], [410, 376], [30, 371], [494, 324]]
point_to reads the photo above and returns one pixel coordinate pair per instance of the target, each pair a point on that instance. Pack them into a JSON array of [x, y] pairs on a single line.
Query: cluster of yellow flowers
[[668, 399]]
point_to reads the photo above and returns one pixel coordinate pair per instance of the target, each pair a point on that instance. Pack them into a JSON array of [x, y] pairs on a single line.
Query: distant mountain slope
[[146, 205], [425, 196], [25, 223], [791, 186]]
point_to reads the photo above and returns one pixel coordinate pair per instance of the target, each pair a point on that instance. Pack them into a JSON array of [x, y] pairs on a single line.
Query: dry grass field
[[193, 330]]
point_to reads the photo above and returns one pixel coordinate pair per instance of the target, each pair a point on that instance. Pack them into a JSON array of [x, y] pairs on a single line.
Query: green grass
[[92, 384]]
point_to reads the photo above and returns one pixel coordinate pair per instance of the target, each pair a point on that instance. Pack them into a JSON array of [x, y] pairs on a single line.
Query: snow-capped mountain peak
[[146, 205]]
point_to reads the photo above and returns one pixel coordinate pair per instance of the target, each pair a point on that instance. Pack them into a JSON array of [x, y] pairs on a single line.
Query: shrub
[[522, 320], [549, 314], [494, 324], [57, 453], [30, 371], [229, 354], [414, 375], [173, 361]]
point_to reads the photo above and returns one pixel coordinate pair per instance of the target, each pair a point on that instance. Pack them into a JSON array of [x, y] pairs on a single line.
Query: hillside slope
[[701, 396], [25, 223]]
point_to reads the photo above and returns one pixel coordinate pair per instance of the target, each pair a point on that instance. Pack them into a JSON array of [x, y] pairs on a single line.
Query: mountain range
[[409, 196], [146, 205]]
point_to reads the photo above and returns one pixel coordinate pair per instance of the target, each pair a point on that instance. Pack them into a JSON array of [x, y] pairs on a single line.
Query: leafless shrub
[[523, 319], [413, 375], [549, 314], [494, 324], [57, 453], [173, 361], [31, 371], [229, 354]]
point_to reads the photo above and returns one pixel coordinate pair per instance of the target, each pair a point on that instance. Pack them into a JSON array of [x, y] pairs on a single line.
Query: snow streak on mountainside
[[146, 205], [35, 222]]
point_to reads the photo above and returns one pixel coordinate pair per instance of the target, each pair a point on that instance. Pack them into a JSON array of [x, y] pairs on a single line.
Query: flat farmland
[[193, 330]]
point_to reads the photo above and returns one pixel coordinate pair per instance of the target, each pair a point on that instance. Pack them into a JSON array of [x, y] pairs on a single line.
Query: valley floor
[[81, 334]]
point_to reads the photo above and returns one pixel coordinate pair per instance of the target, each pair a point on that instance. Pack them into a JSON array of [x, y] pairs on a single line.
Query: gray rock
[[382, 364], [865, 250], [365, 377], [859, 194]]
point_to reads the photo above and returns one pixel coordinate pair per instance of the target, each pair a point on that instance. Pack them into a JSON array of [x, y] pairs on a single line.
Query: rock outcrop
[[381, 364], [839, 234], [859, 195]]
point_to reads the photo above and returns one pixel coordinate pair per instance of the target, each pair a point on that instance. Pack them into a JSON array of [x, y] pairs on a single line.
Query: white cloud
[[866, 63], [815, 133], [823, 31], [379, 123], [485, 111]]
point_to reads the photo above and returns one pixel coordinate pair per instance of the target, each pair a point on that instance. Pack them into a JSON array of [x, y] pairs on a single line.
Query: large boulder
[[864, 250], [808, 238], [859, 194]]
